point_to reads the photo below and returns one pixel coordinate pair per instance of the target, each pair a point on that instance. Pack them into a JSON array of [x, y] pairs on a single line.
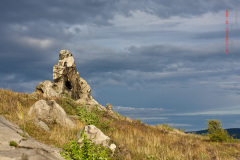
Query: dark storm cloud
[[155, 58], [23, 53], [56, 11], [100, 11], [170, 8], [33, 32], [159, 63]]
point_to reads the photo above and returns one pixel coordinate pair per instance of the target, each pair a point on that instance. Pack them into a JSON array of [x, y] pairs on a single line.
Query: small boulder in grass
[[50, 111], [97, 136]]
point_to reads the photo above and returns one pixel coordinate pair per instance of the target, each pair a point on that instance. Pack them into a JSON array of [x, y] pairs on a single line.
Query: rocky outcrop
[[48, 89], [67, 81], [97, 136], [49, 111], [109, 107], [25, 148]]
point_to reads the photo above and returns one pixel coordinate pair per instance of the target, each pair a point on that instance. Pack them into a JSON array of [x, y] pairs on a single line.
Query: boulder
[[27, 147], [50, 111], [47, 88], [67, 81], [109, 107], [97, 136], [41, 124]]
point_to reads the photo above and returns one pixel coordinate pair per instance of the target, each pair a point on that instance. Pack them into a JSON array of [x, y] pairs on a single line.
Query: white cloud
[[179, 125], [121, 108], [234, 110], [207, 22], [154, 118], [8, 77], [142, 21], [36, 43]]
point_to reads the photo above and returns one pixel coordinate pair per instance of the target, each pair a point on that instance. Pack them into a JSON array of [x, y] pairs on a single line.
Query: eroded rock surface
[[97, 136], [67, 81], [27, 148], [48, 89], [50, 111]]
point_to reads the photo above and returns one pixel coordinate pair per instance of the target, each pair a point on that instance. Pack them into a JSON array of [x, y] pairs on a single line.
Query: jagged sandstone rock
[[67, 81], [66, 77], [47, 88], [97, 136], [50, 111], [28, 148]]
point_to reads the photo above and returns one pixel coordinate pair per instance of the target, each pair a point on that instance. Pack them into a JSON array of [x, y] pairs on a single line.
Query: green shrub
[[118, 115], [139, 120], [167, 127], [93, 117], [88, 151], [151, 157], [69, 105], [181, 129], [216, 133], [88, 116]]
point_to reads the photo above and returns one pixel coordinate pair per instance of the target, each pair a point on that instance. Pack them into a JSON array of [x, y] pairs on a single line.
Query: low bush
[[88, 150], [86, 115], [93, 117], [69, 105], [216, 133], [167, 127]]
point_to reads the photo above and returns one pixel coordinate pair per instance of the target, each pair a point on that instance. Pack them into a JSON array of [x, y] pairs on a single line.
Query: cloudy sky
[[155, 60]]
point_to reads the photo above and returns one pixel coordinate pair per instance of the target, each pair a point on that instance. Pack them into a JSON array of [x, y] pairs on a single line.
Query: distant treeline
[[235, 132]]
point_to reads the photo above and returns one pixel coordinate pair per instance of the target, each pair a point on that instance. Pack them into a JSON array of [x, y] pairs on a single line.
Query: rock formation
[[109, 107], [97, 136], [49, 111], [67, 81], [25, 148]]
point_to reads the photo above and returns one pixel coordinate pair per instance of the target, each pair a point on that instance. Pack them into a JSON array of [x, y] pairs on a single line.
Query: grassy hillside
[[134, 139]]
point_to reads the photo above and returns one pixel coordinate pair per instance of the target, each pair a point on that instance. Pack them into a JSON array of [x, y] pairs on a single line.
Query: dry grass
[[147, 141], [134, 139], [9, 108]]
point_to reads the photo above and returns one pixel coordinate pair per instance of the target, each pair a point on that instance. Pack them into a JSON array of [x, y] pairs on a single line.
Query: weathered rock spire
[[67, 81]]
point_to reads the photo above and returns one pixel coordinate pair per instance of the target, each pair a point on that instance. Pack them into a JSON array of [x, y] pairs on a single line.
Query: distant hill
[[235, 132]]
